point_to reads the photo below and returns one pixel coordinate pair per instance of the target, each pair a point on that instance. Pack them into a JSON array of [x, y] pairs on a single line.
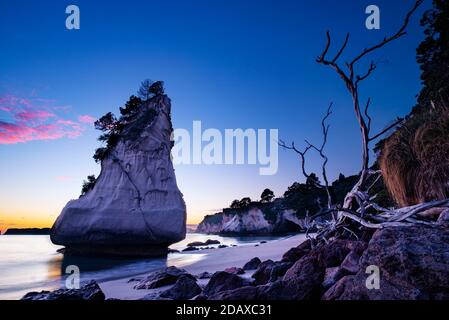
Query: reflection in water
[[31, 263], [54, 267]]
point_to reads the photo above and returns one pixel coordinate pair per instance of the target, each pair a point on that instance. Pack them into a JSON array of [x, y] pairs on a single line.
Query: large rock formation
[[135, 207]]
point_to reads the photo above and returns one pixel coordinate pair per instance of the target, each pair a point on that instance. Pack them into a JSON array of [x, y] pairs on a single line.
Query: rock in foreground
[[135, 207], [162, 278], [89, 291], [413, 263]]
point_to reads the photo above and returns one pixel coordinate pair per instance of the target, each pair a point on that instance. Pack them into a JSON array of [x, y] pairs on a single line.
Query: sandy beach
[[206, 260]]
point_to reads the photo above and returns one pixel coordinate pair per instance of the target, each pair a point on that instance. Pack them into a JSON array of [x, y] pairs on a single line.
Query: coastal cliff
[[285, 214], [135, 207], [253, 220]]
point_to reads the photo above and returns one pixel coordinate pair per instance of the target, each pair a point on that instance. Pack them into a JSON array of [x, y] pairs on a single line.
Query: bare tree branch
[[320, 150], [352, 82], [401, 32], [302, 154], [394, 124]]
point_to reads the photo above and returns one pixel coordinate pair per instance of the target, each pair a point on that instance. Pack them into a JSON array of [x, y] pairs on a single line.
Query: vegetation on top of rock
[[128, 126], [267, 196], [149, 89], [131, 122], [88, 184]]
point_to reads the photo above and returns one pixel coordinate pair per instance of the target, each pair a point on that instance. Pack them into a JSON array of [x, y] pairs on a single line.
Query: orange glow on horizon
[[21, 220]]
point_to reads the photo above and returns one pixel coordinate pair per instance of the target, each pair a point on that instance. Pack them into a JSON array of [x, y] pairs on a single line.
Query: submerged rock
[[201, 244], [89, 291], [135, 207]]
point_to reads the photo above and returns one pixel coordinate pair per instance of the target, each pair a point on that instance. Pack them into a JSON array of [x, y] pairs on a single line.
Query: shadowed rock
[[185, 288], [162, 278], [223, 281], [89, 291], [252, 264]]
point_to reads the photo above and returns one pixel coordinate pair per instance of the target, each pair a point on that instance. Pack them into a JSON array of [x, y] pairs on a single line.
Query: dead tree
[[320, 150], [352, 80], [358, 206]]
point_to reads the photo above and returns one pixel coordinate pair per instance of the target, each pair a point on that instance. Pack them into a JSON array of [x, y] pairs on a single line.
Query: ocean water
[[31, 263]]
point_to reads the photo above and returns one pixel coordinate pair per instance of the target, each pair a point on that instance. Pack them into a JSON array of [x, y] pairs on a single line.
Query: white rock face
[[135, 207], [250, 221]]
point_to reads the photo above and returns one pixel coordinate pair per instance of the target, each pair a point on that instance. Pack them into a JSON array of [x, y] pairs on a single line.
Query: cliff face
[[135, 207], [257, 219], [285, 214]]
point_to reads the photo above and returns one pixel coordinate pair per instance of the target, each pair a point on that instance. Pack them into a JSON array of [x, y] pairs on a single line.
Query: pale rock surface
[[135, 207]]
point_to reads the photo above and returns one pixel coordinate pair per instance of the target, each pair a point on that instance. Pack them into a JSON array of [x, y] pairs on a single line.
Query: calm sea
[[31, 263]]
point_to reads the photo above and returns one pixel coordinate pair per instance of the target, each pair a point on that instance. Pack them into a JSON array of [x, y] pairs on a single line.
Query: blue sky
[[230, 64]]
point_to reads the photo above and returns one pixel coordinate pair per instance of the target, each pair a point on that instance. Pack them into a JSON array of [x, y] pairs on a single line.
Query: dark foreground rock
[[223, 281], [202, 244], [162, 278], [89, 291], [413, 264], [252, 264], [270, 271], [234, 270], [185, 288]]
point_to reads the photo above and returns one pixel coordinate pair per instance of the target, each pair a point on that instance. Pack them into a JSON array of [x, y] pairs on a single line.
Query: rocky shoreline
[[413, 264]]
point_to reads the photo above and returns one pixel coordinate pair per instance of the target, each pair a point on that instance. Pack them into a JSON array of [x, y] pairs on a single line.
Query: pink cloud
[[64, 178], [86, 119], [31, 115], [36, 119]]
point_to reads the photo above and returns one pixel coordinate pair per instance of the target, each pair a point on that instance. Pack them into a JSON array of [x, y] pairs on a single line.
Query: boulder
[[211, 241], [252, 264], [296, 253], [331, 276], [89, 291], [202, 244], [135, 208], [223, 281], [243, 293], [162, 278], [196, 244], [204, 275], [269, 271], [413, 262], [190, 249], [234, 270], [304, 279], [262, 274], [185, 288]]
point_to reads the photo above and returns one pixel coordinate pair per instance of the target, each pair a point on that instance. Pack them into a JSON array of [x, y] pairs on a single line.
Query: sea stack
[[135, 208]]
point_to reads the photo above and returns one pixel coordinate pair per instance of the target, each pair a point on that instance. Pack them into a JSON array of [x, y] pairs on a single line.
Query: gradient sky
[[230, 64]]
